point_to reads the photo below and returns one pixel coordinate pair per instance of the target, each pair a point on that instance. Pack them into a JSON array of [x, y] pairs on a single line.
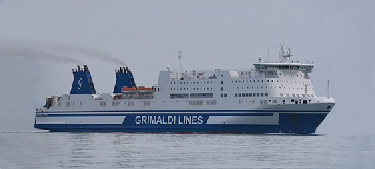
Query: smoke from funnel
[[58, 52], [84, 51], [20, 49]]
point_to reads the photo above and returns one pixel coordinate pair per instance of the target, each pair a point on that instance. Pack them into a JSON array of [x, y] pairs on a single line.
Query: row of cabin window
[[204, 82], [251, 95], [299, 101], [244, 72], [116, 103], [293, 67], [205, 88], [196, 102], [200, 102], [252, 87], [294, 81], [292, 75], [68, 104], [192, 95], [224, 95], [296, 95], [211, 102], [297, 88], [262, 102], [243, 81]]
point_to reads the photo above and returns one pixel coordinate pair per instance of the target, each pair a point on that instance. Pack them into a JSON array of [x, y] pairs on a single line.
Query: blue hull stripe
[[150, 114], [287, 123], [322, 111]]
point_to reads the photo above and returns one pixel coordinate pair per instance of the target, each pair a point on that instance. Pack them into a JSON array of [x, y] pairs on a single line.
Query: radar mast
[[284, 57], [179, 59]]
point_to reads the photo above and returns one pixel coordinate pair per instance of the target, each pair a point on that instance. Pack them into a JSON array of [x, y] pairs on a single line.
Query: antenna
[[281, 53], [179, 59], [268, 55], [289, 53], [328, 89]]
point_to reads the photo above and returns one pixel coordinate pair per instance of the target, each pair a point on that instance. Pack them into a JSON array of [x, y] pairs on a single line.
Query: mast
[[179, 59], [328, 89], [283, 56]]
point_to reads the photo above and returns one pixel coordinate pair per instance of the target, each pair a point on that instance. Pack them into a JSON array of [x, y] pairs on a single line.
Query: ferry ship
[[271, 97]]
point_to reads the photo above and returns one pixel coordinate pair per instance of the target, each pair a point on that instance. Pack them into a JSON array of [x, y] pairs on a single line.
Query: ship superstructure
[[272, 97]]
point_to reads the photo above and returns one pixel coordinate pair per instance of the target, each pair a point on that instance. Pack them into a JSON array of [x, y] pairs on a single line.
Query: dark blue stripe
[[159, 114], [327, 111]]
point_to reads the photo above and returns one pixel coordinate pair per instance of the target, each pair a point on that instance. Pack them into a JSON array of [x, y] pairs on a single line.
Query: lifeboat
[[126, 90], [144, 90], [139, 90]]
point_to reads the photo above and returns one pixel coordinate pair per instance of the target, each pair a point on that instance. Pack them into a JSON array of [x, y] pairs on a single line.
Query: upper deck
[[284, 66], [284, 63], [268, 68]]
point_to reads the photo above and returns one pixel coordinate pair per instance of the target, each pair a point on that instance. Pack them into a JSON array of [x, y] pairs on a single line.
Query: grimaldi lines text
[[184, 120]]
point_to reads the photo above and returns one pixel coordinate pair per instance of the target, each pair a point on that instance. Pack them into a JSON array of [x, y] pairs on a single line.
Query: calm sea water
[[135, 150]]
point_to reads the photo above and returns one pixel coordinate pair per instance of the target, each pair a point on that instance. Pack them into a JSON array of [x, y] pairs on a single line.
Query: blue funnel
[[124, 77], [82, 83]]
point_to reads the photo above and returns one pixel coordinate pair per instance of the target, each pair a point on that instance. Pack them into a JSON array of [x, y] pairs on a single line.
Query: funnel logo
[[79, 83]]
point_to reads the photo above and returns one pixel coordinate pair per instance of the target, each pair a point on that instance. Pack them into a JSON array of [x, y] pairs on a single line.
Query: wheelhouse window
[[179, 95], [201, 95]]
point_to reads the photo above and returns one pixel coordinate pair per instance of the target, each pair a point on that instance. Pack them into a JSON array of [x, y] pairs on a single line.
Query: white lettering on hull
[[169, 120]]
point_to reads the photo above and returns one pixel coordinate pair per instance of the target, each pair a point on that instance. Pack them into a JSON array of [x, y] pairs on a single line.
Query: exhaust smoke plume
[[58, 52], [36, 54]]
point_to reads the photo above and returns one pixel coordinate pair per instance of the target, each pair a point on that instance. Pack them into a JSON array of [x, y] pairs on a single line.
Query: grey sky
[[337, 35]]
